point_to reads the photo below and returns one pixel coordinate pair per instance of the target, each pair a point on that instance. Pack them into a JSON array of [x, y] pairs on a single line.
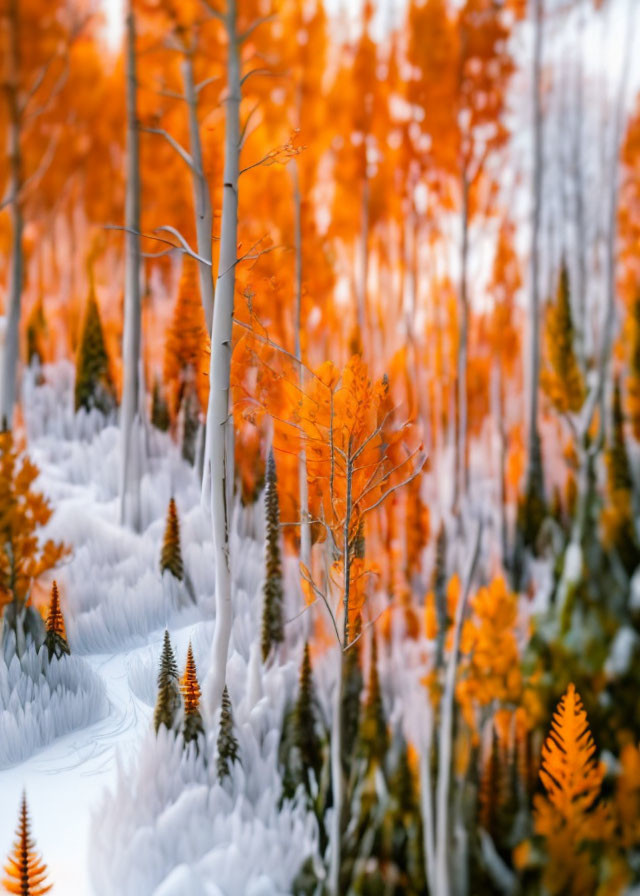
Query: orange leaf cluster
[[23, 511]]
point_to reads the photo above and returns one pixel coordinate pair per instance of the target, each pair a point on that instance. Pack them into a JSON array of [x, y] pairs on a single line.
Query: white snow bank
[[40, 700]]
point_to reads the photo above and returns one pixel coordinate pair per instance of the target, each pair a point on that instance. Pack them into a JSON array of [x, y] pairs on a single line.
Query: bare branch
[[249, 31], [256, 71], [205, 83], [182, 152], [220, 16]]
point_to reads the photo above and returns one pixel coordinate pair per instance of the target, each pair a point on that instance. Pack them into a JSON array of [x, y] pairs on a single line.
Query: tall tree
[[132, 392], [272, 592]]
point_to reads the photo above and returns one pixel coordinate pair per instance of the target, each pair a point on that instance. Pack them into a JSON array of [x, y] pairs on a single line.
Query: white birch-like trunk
[[445, 738], [364, 261], [337, 784], [587, 455], [201, 198], [305, 527], [12, 326], [463, 351], [219, 427], [426, 805], [536, 214], [131, 393]]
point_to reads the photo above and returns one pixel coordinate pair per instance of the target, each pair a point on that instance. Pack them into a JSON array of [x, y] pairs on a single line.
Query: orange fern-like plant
[[26, 872], [571, 817]]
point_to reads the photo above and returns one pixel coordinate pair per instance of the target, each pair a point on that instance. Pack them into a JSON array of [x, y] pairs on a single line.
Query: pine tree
[[94, 386], [273, 595], [633, 397], [440, 591], [374, 737], [55, 640], [617, 516], [36, 333], [305, 735], [227, 743], [26, 872], [618, 464], [570, 815], [353, 683], [171, 556], [159, 408], [193, 727], [564, 383], [169, 698], [189, 415]]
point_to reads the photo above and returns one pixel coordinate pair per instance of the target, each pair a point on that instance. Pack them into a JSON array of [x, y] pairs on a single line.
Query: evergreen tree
[[633, 383], [25, 871], [55, 640], [193, 727], [305, 735], [227, 743], [36, 333], [94, 386], [564, 383], [273, 595], [190, 420], [374, 738], [171, 556], [352, 694], [440, 591], [618, 514], [159, 408], [169, 698]]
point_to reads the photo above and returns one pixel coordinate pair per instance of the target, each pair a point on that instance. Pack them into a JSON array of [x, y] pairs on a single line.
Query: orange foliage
[[571, 816], [26, 872], [23, 511]]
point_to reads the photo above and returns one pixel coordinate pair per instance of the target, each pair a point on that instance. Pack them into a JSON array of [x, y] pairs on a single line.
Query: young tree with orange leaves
[[24, 558], [356, 458], [25, 870], [55, 640], [571, 816]]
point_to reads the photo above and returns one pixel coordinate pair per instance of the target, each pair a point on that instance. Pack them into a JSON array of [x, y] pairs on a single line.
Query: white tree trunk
[[219, 427], [536, 214], [131, 393], [337, 783], [463, 351], [12, 334], [201, 198], [305, 527], [445, 739], [426, 804]]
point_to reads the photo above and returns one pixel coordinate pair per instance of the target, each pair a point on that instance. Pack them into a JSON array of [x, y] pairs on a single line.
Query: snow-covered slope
[[145, 816]]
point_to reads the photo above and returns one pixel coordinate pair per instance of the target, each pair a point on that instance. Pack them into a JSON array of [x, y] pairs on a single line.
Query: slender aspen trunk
[[12, 335], [201, 198], [219, 427], [533, 452], [426, 806], [461, 473], [305, 527], [587, 454], [445, 739], [498, 402], [337, 782], [364, 260], [131, 393]]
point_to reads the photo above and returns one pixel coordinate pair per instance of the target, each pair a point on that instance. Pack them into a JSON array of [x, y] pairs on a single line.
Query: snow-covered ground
[[91, 792]]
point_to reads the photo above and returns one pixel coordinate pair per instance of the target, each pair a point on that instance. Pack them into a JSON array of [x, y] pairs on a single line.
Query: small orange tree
[[357, 454], [26, 872], [23, 557]]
